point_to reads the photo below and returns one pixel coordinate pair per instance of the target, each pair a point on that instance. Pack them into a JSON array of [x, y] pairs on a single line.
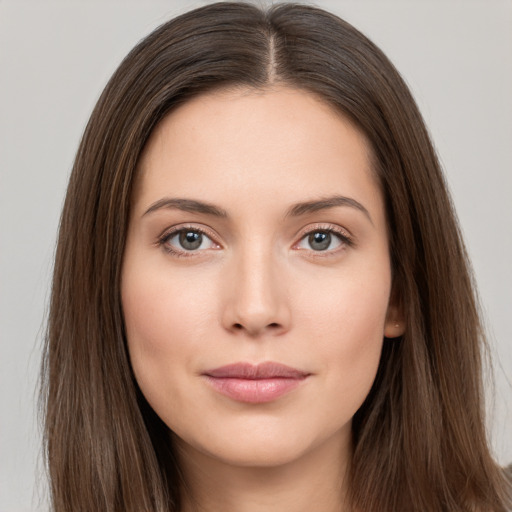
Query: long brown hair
[[419, 438]]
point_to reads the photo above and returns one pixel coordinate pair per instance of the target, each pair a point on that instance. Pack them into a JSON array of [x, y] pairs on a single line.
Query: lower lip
[[254, 391]]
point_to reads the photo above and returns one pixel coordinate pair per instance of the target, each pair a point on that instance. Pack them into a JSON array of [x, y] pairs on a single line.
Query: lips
[[265, 382]]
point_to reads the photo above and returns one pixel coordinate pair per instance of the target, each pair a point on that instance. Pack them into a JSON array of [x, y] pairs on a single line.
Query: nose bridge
[[258, 299]]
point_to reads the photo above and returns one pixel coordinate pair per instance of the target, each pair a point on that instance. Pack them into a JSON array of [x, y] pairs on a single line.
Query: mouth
[[261, 383]]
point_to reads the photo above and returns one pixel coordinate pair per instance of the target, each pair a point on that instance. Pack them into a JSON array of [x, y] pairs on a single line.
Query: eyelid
[[346, 237], [173, 230]]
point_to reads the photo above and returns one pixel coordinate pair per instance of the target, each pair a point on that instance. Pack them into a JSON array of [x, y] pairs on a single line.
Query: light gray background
[[55, 58]]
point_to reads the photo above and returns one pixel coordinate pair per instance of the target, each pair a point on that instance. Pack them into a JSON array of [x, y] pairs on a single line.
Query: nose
[[256, 300]]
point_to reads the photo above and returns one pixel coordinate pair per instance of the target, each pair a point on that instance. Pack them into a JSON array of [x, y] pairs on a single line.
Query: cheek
[[161, 305], [165, 320], [346, 318], [351, 303]]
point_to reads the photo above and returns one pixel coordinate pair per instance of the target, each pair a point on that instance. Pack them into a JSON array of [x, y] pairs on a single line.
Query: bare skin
[[258, 234]]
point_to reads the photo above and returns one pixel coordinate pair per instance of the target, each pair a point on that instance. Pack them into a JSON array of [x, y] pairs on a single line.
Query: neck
[[315, 481]]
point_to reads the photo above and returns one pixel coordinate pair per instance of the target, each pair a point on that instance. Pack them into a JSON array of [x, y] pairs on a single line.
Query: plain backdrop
[[55, 58]]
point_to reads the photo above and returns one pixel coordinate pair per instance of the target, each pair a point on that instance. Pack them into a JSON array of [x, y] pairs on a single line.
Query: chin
[[264, 447], [264, 455], [256, 457]]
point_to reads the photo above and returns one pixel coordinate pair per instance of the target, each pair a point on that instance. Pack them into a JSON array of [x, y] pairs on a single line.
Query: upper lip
[[267, 370]]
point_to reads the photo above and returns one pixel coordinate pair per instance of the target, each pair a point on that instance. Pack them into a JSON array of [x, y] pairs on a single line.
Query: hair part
[[419, 438]]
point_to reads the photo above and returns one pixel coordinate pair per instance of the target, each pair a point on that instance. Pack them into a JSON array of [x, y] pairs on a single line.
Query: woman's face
[[256, 279]]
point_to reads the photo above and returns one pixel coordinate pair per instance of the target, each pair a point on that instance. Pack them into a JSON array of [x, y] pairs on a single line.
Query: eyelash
[[167, 235], [345, 239], [343, 236]]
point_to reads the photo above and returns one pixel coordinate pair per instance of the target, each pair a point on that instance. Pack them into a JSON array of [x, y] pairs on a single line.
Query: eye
[[187, 240], [326, 240]]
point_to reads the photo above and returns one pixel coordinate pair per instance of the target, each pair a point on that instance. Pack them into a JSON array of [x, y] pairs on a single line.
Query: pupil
[[190, 240], [320, 241]]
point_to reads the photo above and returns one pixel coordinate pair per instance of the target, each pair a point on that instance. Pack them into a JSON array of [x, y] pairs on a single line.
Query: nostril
[[272, 326]]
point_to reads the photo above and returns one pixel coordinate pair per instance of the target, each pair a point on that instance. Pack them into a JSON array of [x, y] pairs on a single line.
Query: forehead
[[244, 143]]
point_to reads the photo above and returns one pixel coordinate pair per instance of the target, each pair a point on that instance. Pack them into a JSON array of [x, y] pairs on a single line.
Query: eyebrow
[[186, 205], [325, 203], [296, 210]]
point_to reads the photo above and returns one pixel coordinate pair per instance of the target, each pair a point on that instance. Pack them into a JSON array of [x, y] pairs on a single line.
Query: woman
[[261, 299]]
